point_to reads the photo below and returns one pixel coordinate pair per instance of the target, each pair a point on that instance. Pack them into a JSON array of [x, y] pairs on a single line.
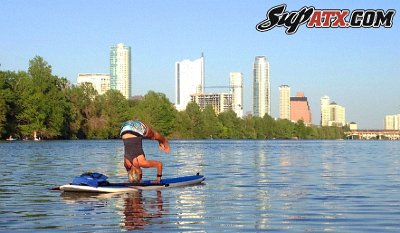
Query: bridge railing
[[373, 134]]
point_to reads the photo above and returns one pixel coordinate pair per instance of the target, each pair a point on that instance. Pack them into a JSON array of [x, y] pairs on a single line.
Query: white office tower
[[100, 82], [337, 115], [120, 69], [392, 122], [189, 80], [236, 89], [325, 113], [261, 87], [332, 114], [284, 102]]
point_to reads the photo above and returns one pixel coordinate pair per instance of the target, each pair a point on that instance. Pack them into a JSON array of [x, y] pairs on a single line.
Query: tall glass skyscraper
[[261, 87], [120, 69], [189, 80]]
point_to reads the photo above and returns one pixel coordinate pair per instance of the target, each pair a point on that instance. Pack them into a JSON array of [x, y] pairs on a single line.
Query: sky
[[357, 68]]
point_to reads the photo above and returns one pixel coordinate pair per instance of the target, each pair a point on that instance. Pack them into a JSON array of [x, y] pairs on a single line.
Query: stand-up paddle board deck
[[130, 187]]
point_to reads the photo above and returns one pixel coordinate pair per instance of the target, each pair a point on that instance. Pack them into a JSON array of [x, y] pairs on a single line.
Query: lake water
[[251, 186]]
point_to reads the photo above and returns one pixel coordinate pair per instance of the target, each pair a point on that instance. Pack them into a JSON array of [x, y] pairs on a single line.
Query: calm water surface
[[255, 186]]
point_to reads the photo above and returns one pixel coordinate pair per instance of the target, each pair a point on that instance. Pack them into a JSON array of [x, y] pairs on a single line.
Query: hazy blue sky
[[357, 68]]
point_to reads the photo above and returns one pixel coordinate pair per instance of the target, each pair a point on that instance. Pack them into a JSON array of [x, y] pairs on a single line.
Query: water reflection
[[138, 214], [137, 211], [88, 201]]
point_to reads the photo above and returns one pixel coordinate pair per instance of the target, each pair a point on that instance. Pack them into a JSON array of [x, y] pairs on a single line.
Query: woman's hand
[[164, 146], [156, 181]]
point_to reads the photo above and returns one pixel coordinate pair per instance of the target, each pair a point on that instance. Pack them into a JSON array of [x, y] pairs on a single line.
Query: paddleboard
[[132, 187]]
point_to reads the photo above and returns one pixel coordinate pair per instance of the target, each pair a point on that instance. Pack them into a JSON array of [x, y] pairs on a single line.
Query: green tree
[[81, 108], [233, 127], [196, 120], [328, 132], [134, 111], [270, 126], [260, 128], [111, 111], [158, 111], [301, 131], [8, 103], [212, 126], [184, 128], [284, 129], [43, 101], [249, 127]]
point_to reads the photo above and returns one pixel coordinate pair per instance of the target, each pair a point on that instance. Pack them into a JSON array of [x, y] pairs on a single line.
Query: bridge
[[368, 134]]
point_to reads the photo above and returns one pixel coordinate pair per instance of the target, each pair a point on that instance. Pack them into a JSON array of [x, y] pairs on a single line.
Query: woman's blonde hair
[[133, 175]]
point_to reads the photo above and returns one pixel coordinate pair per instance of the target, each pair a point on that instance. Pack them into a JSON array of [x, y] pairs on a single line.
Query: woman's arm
[[162, 141], [153, 163]]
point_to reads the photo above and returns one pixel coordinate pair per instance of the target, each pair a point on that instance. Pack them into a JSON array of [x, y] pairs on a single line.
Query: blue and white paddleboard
[[132, 187]]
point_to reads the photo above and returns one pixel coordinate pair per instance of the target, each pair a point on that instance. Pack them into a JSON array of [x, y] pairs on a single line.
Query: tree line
[[38, 101]]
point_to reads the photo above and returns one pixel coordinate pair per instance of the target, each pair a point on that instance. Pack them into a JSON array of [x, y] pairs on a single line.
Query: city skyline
[[357, 67]]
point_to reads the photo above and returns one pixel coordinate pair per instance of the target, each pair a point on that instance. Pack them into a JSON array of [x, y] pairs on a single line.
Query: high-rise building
[[325, 114], [189, 80], [332, 114], [100, 82], [300, 109], [261, 87], [392, 122], [284, 102], [219, 101], [236, 89], [337, 117], [120, 69]]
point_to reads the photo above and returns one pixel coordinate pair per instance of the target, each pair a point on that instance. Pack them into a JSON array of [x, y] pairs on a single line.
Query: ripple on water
[[283, 186]]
